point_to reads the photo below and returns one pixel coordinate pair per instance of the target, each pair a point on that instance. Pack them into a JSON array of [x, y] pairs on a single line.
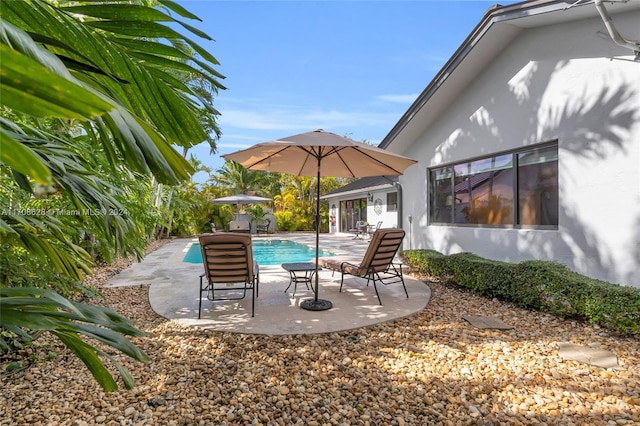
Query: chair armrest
[[348, 263], [353, 269], [334, 262]]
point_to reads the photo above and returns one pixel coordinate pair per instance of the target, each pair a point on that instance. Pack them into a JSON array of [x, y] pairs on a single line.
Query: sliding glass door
[[352, 211]]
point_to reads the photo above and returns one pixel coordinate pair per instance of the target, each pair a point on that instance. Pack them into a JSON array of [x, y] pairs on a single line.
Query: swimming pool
[[268, 252]]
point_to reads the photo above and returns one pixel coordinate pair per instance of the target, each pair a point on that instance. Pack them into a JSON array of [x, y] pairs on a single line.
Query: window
[[392, 201], [519, 188], [538, 187]]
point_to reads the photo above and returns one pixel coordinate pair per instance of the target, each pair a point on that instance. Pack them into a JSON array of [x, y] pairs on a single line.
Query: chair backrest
[[378, 225], [239, 225], [382, 249], [227, 257]]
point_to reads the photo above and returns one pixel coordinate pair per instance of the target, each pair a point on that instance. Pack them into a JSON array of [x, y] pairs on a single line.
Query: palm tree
[[83, 81], [239, 180]]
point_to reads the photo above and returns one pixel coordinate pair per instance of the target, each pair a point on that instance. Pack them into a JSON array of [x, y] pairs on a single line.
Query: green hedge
[[541, 285]]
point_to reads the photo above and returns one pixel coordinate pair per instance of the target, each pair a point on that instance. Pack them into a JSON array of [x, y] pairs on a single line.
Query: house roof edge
[[495, 14]]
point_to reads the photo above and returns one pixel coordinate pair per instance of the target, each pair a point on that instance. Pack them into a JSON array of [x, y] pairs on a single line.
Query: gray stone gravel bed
[[430, 368]]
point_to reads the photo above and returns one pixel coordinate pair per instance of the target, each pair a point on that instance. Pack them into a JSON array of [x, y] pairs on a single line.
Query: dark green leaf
[[22, 159], [87, 354], [151, 48], [124, 12], [203, 52], [126, 376], [113, 339], [28, 87], [91, 66], [12, 366], [170, 4], [81, 66], [136, 28], [195, 31]]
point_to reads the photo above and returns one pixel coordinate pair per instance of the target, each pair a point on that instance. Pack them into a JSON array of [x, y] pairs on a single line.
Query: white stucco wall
[[555, 82], [389, 218]]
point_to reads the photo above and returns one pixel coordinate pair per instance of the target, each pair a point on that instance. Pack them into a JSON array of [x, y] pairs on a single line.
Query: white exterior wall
[[554, 82], [389, 219]]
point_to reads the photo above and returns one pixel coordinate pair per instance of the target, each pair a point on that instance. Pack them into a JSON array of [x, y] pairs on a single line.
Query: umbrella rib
[[344, 162], [262, 160], [316, 154], [309, 152], [378, 161]]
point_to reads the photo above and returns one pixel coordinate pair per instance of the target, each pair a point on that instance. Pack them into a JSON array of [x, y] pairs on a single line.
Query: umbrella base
[[316, 305]]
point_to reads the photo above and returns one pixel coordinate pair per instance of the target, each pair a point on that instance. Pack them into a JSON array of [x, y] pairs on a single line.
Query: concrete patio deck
[[173, 293]]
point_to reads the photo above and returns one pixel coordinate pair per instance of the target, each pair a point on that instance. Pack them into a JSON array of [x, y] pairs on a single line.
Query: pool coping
[[323, 251]]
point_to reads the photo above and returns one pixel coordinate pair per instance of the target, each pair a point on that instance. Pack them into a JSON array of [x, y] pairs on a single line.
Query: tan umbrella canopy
[[307, 154], [240, 200], [320, 153]]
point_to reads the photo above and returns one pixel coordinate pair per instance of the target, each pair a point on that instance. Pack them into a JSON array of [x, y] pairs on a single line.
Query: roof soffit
[[359, 191]]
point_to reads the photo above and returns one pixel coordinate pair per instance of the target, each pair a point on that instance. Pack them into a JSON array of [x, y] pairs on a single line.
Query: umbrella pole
[[317, 304]]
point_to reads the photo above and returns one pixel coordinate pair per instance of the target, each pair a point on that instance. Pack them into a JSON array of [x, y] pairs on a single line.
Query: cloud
[[243, 127], [292, 119], [233, 145], [402, 99], [424, 60]]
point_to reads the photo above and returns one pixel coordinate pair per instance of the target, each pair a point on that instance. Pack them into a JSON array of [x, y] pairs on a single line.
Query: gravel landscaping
[[430, 368]]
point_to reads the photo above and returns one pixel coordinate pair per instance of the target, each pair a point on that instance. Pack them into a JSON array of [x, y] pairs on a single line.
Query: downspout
[[399, 189], [613, 32]]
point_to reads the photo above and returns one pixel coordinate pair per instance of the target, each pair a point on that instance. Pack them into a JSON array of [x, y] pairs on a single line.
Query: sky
[[348, 67]]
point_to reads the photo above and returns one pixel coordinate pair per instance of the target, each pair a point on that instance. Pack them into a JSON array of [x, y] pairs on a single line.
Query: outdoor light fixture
[[369, 196]]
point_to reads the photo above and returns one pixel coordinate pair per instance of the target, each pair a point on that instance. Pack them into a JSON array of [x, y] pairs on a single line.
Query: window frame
[[515, 184], [395, 208]]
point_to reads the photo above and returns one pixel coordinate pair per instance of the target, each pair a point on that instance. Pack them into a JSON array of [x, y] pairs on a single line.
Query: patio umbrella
[[320, 153], [241, 199]]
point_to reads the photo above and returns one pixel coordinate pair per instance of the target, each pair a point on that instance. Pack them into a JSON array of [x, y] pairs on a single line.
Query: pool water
[[268, 252]]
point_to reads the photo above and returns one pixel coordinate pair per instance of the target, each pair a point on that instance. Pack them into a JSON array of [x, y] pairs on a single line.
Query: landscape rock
[[430, 368]]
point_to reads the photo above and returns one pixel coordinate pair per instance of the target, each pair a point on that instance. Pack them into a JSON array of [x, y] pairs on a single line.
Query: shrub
[[485, 277], [284, 220], [549, 286], [19, 268], [541, 285], [426, 262]]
